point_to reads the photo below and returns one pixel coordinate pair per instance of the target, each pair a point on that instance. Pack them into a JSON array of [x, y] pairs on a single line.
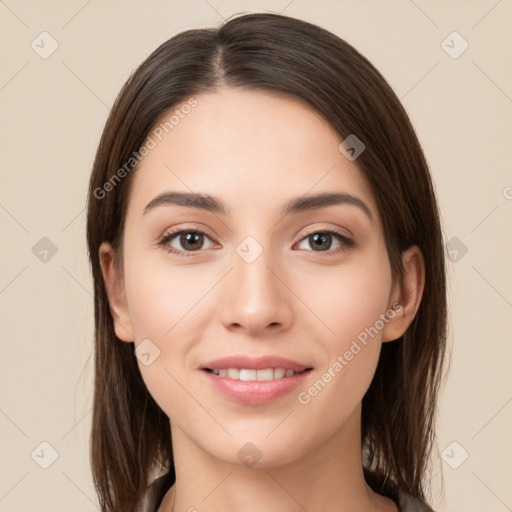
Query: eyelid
[[327, 229]]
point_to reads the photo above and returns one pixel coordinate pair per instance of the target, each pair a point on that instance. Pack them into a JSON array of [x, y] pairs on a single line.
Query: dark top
[[405, 502]]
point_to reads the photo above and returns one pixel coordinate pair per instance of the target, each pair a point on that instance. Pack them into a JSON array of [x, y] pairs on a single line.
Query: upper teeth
[[248, 374]]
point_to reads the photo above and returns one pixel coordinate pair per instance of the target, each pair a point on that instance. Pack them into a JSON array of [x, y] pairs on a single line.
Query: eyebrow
[[213, 204]]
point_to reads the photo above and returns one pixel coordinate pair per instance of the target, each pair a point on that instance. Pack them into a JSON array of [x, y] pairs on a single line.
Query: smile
[[244, 386], [249, 375]]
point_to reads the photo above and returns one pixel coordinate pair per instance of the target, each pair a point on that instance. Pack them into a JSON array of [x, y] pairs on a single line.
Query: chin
[[255, 453]]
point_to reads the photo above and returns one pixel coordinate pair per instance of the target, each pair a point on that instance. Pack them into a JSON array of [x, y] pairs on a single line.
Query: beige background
[[53, 111]]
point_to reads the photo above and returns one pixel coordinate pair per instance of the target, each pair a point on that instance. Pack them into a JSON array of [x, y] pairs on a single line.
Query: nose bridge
[[256, 298], [254, 279]]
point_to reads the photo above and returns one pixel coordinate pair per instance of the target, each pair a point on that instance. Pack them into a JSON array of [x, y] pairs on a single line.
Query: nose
[[256, 299]]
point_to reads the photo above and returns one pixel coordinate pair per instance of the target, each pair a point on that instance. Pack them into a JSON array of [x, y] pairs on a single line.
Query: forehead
[[252, 148]]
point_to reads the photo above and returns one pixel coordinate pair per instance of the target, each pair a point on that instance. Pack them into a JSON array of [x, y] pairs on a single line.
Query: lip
[[255, 363], [255, 392]]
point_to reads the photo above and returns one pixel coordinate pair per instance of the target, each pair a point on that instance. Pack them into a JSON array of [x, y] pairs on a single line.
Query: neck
[[329, 478]]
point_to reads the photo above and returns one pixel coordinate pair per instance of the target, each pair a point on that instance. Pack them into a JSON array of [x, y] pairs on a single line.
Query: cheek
[[161, 298], [349, 298], [165, 308], [351, 358]]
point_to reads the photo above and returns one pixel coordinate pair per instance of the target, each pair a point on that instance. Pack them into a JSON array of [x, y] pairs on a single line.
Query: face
[[256, 273]]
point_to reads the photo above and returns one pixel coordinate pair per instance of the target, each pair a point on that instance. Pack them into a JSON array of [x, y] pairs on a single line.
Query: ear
[[406, 296], [115, 292]]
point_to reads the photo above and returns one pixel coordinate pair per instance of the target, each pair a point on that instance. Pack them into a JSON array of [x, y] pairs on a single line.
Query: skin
[[255, 151]]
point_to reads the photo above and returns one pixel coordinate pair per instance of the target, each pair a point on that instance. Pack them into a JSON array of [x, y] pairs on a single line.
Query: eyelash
[[346, 242]]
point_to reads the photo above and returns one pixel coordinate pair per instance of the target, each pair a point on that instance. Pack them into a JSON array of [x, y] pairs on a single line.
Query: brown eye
[[191, 241], [322, 241], [186, 241]]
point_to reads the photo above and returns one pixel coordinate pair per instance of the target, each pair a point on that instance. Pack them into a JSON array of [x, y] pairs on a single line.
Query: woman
[[270, 302]]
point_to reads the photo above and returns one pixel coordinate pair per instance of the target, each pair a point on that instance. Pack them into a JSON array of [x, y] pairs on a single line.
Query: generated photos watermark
[[343, 360], [152, 140]]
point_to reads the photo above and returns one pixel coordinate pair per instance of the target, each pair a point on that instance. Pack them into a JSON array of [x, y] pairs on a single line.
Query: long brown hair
[[130, 439]]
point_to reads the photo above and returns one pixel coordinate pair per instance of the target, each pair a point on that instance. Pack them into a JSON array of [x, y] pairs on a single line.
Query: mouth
[[252, 375], [254, 381]]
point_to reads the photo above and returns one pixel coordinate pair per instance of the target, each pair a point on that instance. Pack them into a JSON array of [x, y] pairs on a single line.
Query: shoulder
[[156, 492], [408, 503], [403, 500]]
